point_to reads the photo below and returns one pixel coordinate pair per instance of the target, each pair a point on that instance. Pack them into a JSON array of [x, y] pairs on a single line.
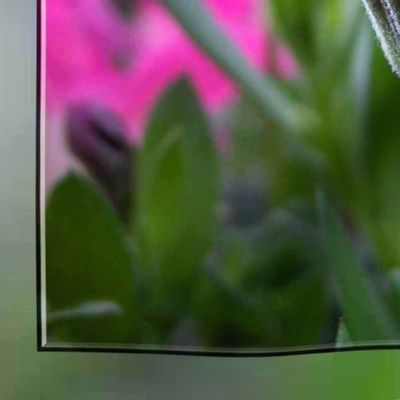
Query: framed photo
[[217, 177]]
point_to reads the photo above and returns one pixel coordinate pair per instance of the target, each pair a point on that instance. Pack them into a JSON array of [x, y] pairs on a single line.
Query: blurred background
[[220, 174], [26, 374]]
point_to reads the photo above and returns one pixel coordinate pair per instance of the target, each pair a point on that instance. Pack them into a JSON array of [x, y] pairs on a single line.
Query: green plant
[[191, 265]]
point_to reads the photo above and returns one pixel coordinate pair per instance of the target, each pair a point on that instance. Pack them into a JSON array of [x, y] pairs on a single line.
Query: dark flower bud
[[97, 138], [126, 7], [385, 18]]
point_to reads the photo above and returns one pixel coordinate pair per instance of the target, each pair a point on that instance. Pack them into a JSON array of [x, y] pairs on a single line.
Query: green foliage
[[294, 22], [88, 259], [275, 103], [178, 188], [382, 161], [262, 284], [385, 18], [366, 314], [239, 248]]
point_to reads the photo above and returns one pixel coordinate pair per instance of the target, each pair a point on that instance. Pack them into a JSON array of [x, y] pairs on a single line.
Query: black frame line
[[37, 174], [240, 353]]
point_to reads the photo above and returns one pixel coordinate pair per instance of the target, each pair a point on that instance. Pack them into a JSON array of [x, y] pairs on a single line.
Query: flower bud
[[97, 138], [385, 18], [126, 7]]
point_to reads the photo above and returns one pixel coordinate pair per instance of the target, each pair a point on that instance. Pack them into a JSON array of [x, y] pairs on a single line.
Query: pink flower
[[84, 38], [94, 53]]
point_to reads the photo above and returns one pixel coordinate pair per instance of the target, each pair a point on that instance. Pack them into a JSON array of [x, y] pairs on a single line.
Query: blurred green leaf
[[88, 259], [225, 316], [321, 33], [293, 166], [337, 23], [262, 287], [393, 292], [178, 189], [359, 81], [366, 314], [275, 102], [381, 149], [288, 281], [295, 23]]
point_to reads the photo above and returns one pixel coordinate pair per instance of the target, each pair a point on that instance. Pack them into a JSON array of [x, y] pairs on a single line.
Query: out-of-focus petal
[[95, 54]]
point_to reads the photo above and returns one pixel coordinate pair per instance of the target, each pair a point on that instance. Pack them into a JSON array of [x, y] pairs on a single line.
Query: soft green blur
[[26, 374]]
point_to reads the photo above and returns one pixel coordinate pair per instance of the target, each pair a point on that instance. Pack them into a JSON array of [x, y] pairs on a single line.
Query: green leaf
[[263, 287], [337, 23], [360, 75], [88, 259], [178, 189], [321, 33], [393, 292], [227, 318], [385, 18], [276, 103], [366, 314], [295, 23], [381, 149]]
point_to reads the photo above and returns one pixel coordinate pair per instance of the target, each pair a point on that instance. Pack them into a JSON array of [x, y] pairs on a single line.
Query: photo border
[[42, 345]]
